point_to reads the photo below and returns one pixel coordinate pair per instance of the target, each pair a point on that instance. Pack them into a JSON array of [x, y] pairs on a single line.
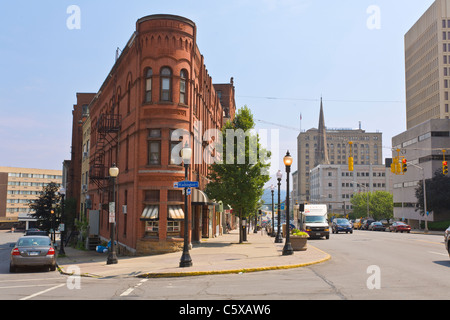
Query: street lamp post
[[287, 250], [279, 238], [112, 255], [186, 260], [272, 233], [53, 222], [62, 192], [424, 196]]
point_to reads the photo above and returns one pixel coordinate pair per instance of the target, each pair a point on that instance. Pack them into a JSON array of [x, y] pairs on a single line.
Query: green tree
[[45, 212], [238, 179], [438, 193], [381, 205]]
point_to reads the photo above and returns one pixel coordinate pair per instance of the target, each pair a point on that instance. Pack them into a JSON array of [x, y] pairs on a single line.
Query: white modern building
[[422, 147], [334, 184]]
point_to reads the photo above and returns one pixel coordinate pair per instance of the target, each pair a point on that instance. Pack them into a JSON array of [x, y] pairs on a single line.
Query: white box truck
[[314, 220]]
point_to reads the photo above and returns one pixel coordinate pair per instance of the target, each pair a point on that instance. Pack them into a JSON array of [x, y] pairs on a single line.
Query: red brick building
[[158, 84], [79, 113]]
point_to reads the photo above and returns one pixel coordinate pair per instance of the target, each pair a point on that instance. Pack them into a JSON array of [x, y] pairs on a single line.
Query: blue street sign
[[186, 184]]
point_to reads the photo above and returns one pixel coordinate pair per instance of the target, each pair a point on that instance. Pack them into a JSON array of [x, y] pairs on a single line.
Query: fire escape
[[107, 128]]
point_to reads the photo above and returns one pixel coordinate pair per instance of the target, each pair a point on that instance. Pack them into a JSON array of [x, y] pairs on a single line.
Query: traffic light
[[444, 167], [404, 166], [396, 167], [350, 163], [393, 166]]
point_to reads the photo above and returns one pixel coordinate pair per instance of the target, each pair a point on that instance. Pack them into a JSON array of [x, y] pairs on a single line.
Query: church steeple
[[321, 156]]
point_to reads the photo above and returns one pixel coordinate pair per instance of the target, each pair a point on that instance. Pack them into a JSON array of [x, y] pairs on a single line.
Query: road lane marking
[[442, 254], [27, 286], [28, 280], [42, 292], [432, 242], [130, 290]]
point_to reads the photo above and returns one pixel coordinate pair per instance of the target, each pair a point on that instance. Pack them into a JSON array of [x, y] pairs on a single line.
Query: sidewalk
[[219, 255]]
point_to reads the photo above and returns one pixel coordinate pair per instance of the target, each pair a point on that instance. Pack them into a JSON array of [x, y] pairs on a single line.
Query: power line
[[327, 100], [278, 125]]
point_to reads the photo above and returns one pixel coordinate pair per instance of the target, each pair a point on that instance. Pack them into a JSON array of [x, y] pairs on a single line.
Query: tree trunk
[[240, 225]]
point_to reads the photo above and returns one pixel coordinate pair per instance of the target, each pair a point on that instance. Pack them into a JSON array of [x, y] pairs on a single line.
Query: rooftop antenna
[[118, 51]]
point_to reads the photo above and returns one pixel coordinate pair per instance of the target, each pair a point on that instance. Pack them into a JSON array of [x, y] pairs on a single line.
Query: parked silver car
[[33, 251]]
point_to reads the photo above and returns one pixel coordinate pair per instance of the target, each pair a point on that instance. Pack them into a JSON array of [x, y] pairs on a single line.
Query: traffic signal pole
[[424, 196]]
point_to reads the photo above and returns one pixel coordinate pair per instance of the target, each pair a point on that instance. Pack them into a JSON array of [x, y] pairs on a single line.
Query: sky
[[284, 55]]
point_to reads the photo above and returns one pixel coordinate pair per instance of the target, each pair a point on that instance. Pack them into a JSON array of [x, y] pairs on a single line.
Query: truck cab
[[314, 220]]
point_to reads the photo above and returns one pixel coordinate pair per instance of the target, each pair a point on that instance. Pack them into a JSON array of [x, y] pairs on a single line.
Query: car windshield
[[29, 242], [315, 219], [342, 221]]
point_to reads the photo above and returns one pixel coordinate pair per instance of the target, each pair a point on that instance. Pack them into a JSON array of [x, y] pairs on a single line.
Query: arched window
[[148, 85], [183, 78], [128, 97], [166, 84]]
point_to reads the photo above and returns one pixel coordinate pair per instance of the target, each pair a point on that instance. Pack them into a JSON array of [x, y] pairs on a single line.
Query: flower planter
[[299, 243]]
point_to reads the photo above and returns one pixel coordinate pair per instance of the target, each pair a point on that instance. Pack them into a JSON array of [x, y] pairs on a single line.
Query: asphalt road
[[365, 265]]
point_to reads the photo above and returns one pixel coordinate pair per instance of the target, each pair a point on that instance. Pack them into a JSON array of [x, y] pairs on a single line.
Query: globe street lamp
[[287, 250], [186, 260], [279, 238], [112, 255], [62, 192]]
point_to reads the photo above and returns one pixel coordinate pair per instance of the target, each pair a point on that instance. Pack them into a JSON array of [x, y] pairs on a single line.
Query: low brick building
[[158, 84]]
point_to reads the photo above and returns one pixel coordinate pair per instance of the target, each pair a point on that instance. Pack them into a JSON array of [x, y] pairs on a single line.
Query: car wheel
[[52, 268]]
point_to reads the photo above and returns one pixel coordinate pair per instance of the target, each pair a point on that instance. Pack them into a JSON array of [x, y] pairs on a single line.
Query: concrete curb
[[156, 275], [243, 270]]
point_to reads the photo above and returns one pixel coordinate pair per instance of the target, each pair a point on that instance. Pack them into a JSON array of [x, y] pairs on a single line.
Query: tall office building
[[331, 146], [427, 64]]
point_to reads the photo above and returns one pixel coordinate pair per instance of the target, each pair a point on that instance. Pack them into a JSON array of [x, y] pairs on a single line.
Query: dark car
[[341, 224], [399, 226], [35, 232], [33, 251], [377, 225], [365, 225], [446, 239]]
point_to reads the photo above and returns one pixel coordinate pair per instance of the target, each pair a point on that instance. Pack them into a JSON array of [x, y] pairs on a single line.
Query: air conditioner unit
[[124, 209], [84, 188]]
